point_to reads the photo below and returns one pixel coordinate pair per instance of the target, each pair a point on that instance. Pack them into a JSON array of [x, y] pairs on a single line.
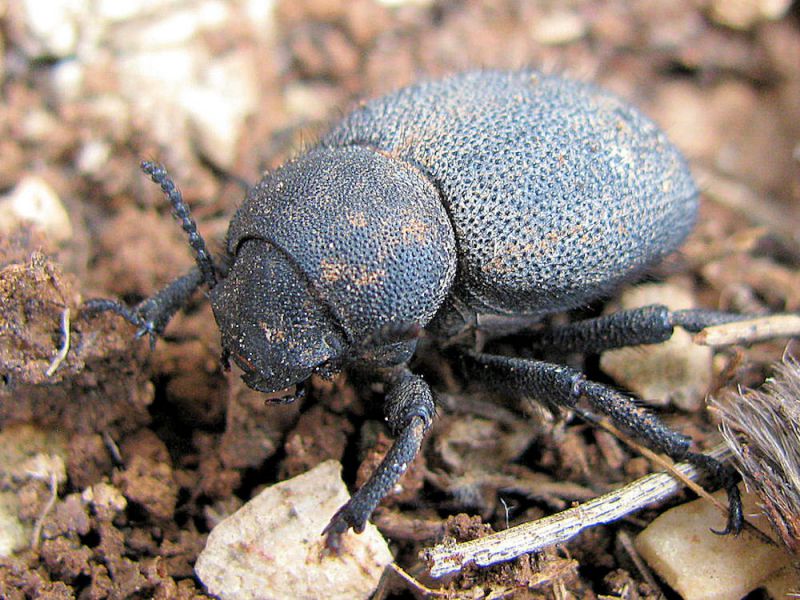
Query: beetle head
[[270, 323]]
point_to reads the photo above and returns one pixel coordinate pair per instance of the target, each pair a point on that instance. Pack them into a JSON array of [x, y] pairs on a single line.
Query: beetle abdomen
[[557, 190]]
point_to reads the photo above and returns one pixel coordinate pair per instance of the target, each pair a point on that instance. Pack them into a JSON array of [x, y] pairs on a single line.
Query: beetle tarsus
[[726, 477]]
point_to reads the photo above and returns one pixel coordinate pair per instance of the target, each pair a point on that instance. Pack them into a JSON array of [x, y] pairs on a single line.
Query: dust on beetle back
[[557, 191]]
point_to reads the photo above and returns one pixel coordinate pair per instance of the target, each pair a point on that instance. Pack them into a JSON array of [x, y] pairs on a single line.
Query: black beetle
[[482, 201]]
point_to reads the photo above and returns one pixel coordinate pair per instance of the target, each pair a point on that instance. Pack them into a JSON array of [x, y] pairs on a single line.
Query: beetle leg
[[565, 386], [152, 315], [651, 324], [409, 412]]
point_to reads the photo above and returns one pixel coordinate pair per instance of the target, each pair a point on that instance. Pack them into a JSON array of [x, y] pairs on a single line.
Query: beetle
[[483, 201]]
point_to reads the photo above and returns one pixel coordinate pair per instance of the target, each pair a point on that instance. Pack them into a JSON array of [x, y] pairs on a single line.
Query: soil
[[155, 447]]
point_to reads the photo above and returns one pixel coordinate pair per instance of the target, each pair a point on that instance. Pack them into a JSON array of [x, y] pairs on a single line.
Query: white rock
[[34, 201], [116, 11], [399, 3], [272, 547], [219, 104], [261, 14], [175, 28], [744, 14], [25, 453], [701, 565], [14, 535], [677, 371], [560, 27], [172, 79], [69, 78], [52, 26], [93, 157]]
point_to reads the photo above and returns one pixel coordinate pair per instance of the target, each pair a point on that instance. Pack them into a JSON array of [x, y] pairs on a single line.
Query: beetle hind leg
[[565, 386], [409, 412]]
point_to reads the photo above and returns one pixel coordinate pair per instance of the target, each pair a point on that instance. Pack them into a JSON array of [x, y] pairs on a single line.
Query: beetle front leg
[[152, 315], [409, 413]]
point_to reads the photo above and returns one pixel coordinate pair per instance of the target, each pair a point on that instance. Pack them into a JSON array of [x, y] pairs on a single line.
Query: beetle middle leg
[[409, 411], [566, 386], [651, 324]]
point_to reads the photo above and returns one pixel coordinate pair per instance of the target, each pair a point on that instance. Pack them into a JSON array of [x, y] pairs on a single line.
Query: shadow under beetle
[[454, 205]]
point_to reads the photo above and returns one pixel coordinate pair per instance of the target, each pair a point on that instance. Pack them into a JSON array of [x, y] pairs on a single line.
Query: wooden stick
[[64, 350], [752, 330], [502, 546]]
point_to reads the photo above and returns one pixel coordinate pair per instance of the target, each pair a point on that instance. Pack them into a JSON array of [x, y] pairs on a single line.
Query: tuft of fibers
[[762, 428]]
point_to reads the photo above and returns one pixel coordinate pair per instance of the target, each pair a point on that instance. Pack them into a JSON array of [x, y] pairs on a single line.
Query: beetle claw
[[333, 532], [344, 519], [148, 328]]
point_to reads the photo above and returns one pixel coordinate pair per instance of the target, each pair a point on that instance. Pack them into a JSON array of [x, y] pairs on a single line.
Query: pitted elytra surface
[[556, 190]]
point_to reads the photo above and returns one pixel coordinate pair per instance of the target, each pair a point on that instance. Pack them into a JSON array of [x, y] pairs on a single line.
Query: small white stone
[[701, 565], [561, 27], [69, 78], [106, 497], [52, 26], [25, 453], [174, 29], [14, 535], [273, 548], [744, 14], [34, 201], [37, 125], [93, 157], [46, 467], [306, 102], [399, 3], [114, 10], [261, 14], [219, 104]]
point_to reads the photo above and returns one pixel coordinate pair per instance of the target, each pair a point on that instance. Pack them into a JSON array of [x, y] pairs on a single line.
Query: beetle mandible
[[454, 205]]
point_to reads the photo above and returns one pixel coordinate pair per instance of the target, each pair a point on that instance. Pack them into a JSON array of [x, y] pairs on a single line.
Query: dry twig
[[36, 534], [556, 529], [64, 350], [750, 331]]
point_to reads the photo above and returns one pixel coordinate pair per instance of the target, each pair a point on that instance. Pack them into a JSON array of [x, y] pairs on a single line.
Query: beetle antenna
[[181, 211]]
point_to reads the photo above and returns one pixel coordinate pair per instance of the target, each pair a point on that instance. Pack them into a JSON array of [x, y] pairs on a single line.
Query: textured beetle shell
[[557, 191], [369, 233]]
